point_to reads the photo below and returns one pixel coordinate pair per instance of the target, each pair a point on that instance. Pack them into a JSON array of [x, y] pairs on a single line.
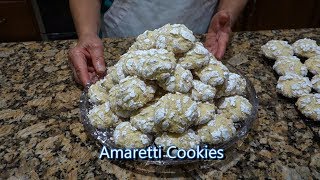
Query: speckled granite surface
[[41, 135]]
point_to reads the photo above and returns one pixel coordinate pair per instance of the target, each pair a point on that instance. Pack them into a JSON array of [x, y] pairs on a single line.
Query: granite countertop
[[42, 137]]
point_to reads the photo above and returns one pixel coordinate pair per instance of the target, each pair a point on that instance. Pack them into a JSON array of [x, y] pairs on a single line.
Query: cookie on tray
[[306, 48], [293, 86], [130, 94], [206, 112], [309, 105], [313, 64], [176, 38], [187, 140], [116, 72], [275, 48], [145, 121], [97, 93], [127, 136], [315, 81], [196, 58], [236, 108], [289, 64], [180, 81], [107, 82], [217, 130], [101, 116], [175, 113], [149, 64], [234, 84], [202, 92], [213, 74]]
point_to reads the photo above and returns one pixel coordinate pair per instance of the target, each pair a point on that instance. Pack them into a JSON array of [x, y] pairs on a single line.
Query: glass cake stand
[[104, 136]]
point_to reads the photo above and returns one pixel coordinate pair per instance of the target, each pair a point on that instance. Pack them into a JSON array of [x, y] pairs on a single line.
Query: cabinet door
[[285, 14], [17, 22]]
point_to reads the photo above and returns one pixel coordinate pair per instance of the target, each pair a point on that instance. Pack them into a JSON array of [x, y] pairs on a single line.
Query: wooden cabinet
[[17, 22], [279, 14]]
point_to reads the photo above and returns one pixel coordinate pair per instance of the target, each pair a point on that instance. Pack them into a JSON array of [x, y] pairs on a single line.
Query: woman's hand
[[86, 59], [218, 34]]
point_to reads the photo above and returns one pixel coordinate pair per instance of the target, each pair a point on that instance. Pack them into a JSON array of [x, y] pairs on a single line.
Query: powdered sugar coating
[[116, 72], [309, 105], [275, 48], [217, 130], [234, 84], [206, 113], [149, 64], [196, 58], [236, 108], [187, 140], [313, 64], [101, 116], [292, 85], [306, 48], [178, 112], [127, 136], [148, 119], [213, 74], [202, 92], [290, 64], [97, 93], [176, 38], [130, 94], [107, 83], [180, 81], [315, 81], [145, 41]]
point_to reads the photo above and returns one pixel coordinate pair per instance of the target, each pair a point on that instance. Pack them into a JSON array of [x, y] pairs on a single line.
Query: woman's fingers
[[222, 45], [96, 52], [79, 65]]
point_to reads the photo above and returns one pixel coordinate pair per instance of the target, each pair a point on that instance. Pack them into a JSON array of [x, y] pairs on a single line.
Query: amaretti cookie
[[196, 58], [175, 113], [101, 116], [130, 94], [97, 93], [146, 120], [275, 48], [176, 38], [149, 64], [234, 84], [206, 113], [236, 108], [127, 136], [180, 81], [217, 130], [289, 64], [306, 48], [309, 105], [315, 81], [116, 72], [107, 83], [187, 140], [202, 92], [293, 85], [213, 74], [313, 64]]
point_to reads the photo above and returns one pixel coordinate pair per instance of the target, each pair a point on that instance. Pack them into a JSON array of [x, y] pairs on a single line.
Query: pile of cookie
[[293, 81], [168, 89]]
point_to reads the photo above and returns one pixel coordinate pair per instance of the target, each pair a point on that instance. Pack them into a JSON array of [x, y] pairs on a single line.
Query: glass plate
[[104, 136]]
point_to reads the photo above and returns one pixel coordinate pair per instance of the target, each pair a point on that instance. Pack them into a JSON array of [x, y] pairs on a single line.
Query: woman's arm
[[233, 8], [86, 58], [220, 27], [86, 16]]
